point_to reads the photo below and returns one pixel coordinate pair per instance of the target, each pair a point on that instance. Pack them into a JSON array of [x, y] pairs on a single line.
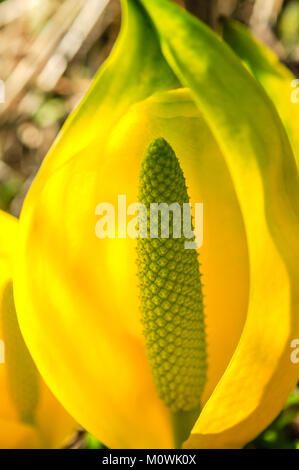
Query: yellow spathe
[[170, 77], [30, 416]]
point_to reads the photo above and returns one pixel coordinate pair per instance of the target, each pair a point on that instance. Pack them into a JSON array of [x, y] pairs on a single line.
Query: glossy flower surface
[[30, 416], [77, 295]]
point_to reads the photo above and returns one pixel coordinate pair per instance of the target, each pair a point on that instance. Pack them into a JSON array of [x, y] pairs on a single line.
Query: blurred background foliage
[[49, 52]]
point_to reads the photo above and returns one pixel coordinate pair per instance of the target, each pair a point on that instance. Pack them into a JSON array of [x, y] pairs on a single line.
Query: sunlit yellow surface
[[51, 426], [80, 294]]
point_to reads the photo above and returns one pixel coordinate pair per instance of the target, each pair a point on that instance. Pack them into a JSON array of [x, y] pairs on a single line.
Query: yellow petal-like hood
[[81, 292], [109, 338], [30, 415]]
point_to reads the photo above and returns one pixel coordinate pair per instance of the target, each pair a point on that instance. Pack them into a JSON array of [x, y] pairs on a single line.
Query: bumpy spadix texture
[[170, 286]]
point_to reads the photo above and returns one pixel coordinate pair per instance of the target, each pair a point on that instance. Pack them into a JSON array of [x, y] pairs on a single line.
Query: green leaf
[[277, 81]]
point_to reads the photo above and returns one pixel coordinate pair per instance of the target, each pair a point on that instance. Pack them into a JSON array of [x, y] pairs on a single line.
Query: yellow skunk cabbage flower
[[30, 416], [145, 343]]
